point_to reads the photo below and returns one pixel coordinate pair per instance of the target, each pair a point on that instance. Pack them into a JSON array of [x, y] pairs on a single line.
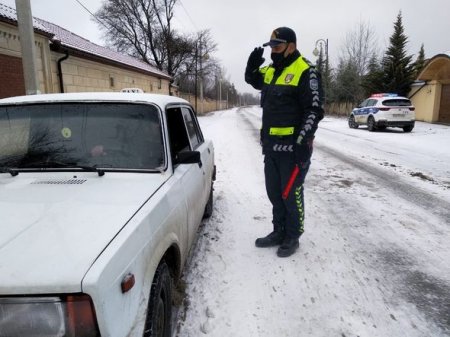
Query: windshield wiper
[[11, 171], [86, 168], [100, 172]]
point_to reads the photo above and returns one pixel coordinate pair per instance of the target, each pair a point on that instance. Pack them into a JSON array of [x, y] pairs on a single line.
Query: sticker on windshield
[[66, 132]]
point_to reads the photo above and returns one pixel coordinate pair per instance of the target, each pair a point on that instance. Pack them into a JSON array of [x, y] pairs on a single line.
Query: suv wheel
[[351, 122], [408, 128], [371, 124]]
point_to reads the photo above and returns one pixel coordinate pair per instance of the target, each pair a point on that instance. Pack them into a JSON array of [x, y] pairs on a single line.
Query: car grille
[[59, 182]]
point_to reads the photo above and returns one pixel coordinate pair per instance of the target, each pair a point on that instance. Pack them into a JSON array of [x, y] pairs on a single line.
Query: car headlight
[[69, 316]]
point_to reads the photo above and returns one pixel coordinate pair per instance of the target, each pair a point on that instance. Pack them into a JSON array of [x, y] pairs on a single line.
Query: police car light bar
[[384, 95]]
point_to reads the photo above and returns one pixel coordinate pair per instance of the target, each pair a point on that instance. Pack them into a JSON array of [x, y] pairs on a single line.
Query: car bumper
[[399, 124]]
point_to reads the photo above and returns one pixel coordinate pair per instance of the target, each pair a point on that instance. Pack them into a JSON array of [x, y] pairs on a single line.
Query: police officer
[[291, 98]]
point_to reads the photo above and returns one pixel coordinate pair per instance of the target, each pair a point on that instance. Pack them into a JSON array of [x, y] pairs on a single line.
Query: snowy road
[[374, 257]]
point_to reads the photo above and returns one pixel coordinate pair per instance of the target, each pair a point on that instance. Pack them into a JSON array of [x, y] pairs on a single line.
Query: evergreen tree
[[346, 83], [398, 72], [373, 81], [419, 64], [323, 67]]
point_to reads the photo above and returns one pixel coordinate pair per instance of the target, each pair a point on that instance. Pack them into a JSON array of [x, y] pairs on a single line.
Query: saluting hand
[[255, 60]]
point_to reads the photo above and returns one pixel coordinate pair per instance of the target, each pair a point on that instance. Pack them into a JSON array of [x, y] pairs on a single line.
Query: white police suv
[[382, 110]]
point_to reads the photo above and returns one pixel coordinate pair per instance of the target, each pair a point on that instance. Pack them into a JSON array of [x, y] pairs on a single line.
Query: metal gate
[[12, 82]]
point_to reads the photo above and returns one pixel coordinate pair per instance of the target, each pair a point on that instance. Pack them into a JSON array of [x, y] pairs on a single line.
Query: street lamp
[[326, 71], [316, 51]]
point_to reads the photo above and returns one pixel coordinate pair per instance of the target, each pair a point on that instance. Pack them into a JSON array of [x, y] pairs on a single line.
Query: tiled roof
[[9, 14], [75, 42]]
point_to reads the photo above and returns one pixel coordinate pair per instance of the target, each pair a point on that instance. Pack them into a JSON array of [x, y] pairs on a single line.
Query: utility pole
[[201, 75], [26, 32], [220, 90], [196, 76]]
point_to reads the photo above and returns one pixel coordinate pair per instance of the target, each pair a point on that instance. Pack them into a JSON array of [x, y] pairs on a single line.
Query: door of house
[[444, 109]]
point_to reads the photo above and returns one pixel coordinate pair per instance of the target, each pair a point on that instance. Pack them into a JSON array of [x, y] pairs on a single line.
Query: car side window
[[371, 102], [363, 104], [178, 136], [195, 136]]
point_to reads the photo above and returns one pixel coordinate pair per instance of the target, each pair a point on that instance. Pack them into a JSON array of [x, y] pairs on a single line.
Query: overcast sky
[[237, 26]]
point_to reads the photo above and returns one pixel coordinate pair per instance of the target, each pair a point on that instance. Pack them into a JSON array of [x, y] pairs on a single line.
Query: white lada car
[[382, 110], [101, 196]]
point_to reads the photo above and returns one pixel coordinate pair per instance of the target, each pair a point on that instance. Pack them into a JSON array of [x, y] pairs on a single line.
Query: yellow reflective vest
[[281, 99]]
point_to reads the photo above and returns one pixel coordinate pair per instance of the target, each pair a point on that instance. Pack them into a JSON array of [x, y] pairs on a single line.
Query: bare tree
[[360, 46], [143, 28], [200, 68]]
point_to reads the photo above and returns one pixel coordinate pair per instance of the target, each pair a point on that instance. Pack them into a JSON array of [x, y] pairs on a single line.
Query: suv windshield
[[61, 135]]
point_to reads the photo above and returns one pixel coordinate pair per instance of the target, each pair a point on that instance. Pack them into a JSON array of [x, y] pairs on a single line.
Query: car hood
[[54, 225]]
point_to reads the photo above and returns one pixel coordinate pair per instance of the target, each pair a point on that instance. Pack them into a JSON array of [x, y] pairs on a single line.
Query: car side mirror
[[189, 157]]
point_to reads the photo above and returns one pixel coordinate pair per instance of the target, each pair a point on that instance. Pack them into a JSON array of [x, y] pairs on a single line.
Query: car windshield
[[100, 135], [397, 102]]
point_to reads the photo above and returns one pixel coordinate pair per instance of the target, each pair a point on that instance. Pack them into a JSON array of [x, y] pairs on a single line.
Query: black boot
[[273, 239], [288, 247]]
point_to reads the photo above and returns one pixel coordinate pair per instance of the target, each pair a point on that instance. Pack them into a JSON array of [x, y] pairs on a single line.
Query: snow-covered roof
[[9, 15], [75, 42], [158, 99]]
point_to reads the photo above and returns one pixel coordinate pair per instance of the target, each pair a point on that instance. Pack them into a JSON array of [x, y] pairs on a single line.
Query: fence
[[206, 105], [339, 109]]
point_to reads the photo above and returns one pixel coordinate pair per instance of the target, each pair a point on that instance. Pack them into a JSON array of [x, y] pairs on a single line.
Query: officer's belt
[[285, 131]]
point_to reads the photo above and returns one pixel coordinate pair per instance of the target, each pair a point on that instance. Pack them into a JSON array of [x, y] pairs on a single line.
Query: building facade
[[431, 93], [67, 62]]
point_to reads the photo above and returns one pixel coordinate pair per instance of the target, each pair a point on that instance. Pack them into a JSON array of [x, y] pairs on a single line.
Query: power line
[[190, 18], [92, 14]]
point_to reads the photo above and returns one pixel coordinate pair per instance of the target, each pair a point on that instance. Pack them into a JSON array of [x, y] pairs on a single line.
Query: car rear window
[[397, 102], [104, 135]]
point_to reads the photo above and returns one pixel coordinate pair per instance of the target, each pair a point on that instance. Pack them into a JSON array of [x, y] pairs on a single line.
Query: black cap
[[281, 35]]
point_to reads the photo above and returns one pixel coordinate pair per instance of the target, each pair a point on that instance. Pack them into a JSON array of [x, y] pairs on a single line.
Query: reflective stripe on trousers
[[288, 215]]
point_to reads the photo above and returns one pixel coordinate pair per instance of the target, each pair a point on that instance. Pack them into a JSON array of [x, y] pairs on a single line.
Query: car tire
[[209, 205], [371, 124], [351, 122], [408, 128], [159, 310]]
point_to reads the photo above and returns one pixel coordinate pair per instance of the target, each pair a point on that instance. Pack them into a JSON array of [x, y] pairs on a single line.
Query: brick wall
[[11, 76], [79, 74]]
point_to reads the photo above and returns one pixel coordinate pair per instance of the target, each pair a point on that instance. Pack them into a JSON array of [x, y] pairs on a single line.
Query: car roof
[[161, 100]]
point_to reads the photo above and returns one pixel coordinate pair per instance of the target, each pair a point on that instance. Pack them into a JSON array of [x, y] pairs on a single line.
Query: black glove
[[303, 151], [255, 60]]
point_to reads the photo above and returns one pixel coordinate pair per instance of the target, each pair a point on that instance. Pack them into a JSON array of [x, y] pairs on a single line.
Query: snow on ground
[[374, 257]]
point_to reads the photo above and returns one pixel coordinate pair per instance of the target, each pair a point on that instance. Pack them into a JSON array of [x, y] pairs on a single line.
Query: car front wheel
[[351, 122], [159, 311]]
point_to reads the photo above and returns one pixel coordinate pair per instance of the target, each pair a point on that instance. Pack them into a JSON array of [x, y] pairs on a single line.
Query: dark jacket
[[291, 96]]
